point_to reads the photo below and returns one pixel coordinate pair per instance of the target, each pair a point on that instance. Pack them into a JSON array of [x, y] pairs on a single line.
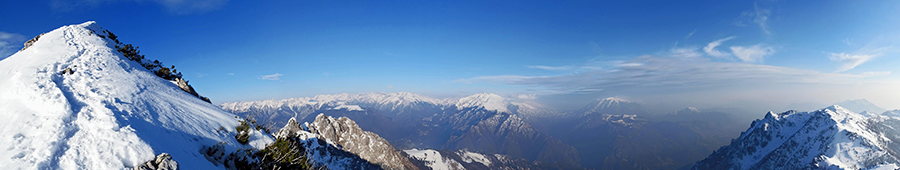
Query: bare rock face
[[31, 42], [162, 162], [185, 86], [369, 146]]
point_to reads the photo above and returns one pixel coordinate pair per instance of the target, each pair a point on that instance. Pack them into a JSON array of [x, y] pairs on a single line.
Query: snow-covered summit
[[860, 105], [489, 101], [829, 138], [613, 105], [388, 101], [106, 112], [688, 110]]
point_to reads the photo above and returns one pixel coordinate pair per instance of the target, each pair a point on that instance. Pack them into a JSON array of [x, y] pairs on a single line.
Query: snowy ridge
[[833, 137], [434, 160], [345, 134], [463, 159], [322, 152], [381, 101], [491, 102], [109, 113], [613, 105], [390, 100]]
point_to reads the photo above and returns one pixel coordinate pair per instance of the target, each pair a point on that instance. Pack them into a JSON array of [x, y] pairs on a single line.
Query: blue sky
[[700, 53]]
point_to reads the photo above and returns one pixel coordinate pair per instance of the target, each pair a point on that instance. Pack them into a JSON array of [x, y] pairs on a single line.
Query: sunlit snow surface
[[111, 113], [830, 138], [433, 159]]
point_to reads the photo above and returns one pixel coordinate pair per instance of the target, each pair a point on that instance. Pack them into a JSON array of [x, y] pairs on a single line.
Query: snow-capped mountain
[[613, 106], [344, 134], [70, 100], [860, 105], [486, 123], [490, 102], [829, 138], [892, 113], [463, 159]]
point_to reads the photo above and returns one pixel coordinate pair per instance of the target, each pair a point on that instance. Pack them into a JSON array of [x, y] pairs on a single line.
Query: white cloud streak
[[668, 75], [276, 76], [685, 52], [527, 96], [690, 34], [752, 54], [849, 61], [551, 68], [711, 48]]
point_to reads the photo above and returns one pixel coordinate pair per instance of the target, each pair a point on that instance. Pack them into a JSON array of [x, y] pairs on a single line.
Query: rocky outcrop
[[162, 162], [188, 88], [31, 42], [368, 145], [346, 134]]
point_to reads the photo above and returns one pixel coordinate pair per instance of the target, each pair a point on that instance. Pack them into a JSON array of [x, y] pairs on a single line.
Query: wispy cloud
[[711, 48], [179, 7], [10, 43], [685, 52], [551, 68], [849, 61], [276, 76], [875, 73], [759, 16], [690, 34], [752, 54], [661, 74], [527, 96]]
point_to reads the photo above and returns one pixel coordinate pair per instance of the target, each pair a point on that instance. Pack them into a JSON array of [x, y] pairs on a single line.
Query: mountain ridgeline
[[829, 138], [481, 123], [77, 98], [611, 133]]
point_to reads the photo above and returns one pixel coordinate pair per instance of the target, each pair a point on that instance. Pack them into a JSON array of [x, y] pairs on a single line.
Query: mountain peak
[[688, 110], [489, 101], [859, 105], [832, 137], [613, 105]]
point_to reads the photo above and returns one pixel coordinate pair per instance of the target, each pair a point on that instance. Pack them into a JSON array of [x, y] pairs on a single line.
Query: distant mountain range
[[856, 105], [485, 123], [615, 131]]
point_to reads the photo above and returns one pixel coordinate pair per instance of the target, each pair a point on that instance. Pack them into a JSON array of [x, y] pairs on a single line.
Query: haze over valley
[[218, 84]]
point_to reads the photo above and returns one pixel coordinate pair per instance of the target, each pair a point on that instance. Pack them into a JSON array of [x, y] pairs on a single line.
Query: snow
[[433, 159], [489, 101], [885, 167], [347, 107], [468, 157], [829, 138], [111, 113]]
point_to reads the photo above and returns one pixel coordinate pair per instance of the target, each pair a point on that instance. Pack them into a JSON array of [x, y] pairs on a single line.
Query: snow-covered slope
[[110, 113], [463, 159], [830, 138], [613, 105]]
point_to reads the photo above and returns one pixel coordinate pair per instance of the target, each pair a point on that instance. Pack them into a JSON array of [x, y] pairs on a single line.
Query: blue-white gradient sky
[[561, 53]]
